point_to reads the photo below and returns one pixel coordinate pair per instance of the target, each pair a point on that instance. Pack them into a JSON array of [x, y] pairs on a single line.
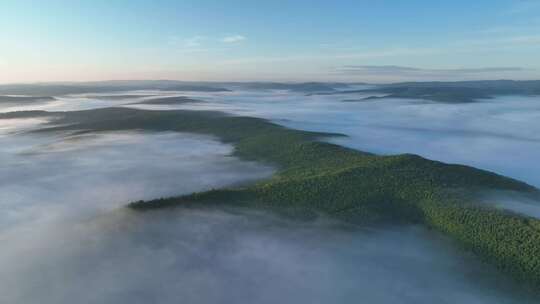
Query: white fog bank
[[46, 176], [70, 241], [203, 256], [500, 134]]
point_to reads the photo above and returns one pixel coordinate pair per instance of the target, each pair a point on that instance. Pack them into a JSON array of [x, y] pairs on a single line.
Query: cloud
[[496, 132], [73, 253], [513, 201], [509, 41], [233, 39], [394, 69], [193, 42], [413, 73], [200, 44], [137, 166], [237, 256], [524, 39], [367, 54]]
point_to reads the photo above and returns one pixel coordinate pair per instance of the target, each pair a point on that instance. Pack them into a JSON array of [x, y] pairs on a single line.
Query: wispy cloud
[[526, 39], [233, 39], [390, 52], [366, 54], [193, 44], [194, 41], [200, 44], [190, 42], [394, 69], [413, 73], [511, 41]]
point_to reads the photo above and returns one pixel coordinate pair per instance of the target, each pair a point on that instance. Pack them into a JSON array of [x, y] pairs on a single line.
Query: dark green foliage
[[507, 240]]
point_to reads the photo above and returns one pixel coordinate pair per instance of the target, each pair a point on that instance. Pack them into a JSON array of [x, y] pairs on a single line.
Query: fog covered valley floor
[[78, 243], [224, 256]]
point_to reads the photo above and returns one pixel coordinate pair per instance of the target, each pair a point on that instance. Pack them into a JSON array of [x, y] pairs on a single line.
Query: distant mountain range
[[450, 92]]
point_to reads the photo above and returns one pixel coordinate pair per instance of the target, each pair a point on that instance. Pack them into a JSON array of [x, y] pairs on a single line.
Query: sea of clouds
[[500, 134], [69, 239]]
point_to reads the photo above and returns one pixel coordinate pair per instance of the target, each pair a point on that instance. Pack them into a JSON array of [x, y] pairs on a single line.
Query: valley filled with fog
[[499, 134], [261, 152], [70, 239]]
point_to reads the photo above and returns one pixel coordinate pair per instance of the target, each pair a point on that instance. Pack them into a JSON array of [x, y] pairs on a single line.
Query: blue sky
[[299, 40]]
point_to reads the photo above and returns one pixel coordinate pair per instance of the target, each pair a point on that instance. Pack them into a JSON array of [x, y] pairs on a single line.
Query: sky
[[240, 40]]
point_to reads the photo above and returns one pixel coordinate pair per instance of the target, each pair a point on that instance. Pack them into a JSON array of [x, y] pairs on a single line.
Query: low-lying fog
[[49, 175], [78, 102], [218, 256], [68, 239], [500, 134]]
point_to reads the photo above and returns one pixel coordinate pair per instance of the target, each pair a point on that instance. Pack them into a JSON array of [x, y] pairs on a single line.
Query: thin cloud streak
[[403, 70], [233, 39]]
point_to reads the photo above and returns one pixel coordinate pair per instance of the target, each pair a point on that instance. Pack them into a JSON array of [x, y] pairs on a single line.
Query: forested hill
[[318, 177], [501, 86], [449, 92], [462, 91], [65, 88]]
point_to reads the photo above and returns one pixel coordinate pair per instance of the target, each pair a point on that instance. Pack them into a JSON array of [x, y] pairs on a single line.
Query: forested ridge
[[317, 177]]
